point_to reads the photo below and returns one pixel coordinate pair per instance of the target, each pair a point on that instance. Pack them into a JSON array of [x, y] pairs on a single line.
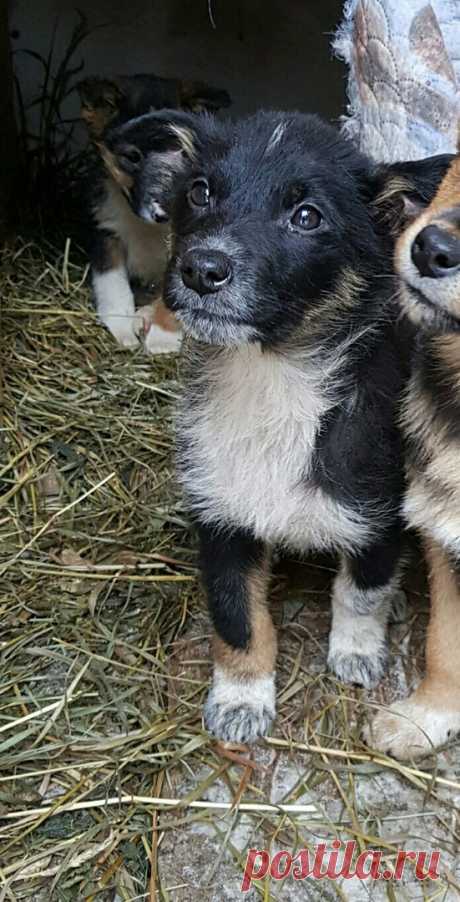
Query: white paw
[[162, 341], [125, 329], [358, 650], [359, 669], [412, 728], [115, 306], [230, 718]]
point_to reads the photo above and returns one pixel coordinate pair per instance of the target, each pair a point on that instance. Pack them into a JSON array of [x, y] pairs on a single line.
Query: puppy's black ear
[[145, 155], [198, 97], [402, 190], [100, 101], [122, 162]]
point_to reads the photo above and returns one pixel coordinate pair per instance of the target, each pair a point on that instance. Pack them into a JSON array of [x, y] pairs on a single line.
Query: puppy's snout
[[206, 271], [436, 253]]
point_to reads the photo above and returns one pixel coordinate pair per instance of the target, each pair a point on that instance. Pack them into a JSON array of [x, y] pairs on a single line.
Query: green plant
[[52, 160]]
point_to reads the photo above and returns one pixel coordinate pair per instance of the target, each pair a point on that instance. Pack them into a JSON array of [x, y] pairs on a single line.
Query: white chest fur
[[248, 435], [145, 243]]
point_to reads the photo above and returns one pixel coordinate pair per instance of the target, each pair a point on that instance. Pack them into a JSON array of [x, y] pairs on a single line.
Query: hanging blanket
[[403, 88]]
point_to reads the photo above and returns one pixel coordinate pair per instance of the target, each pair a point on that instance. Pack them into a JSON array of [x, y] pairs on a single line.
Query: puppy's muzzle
[[436, 253], [206, 271]]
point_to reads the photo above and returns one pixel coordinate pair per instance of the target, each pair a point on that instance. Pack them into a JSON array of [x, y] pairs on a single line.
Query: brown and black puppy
[[128, 252], [428, 263]]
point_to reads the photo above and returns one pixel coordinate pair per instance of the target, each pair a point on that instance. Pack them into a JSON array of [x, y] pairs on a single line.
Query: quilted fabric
[[403, 88]]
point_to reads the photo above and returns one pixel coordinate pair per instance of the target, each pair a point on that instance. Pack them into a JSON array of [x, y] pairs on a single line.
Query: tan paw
[[412, 728]]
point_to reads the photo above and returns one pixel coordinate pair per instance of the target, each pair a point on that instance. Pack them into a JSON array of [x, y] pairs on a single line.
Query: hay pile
[[104, 649]]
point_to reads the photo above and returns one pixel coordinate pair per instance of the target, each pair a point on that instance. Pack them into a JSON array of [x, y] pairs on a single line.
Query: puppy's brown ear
[[198, 97], [403, 190], [100, 101]]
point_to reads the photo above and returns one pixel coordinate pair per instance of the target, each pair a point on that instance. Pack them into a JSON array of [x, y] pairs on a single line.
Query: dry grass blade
[[161, 802], [378, 760]]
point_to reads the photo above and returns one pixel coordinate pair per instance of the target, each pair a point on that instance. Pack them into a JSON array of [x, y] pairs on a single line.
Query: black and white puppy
[[281, 275]]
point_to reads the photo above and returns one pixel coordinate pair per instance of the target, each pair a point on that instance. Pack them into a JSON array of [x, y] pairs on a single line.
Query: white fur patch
[[237, 711], [115, 306], [162, 341], [412, 728], [145, 243], [357, 641], [248, 431], [276, 137], [149, 212]]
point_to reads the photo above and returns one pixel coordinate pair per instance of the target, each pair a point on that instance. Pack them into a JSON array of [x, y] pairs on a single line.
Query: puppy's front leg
[[431, 715], [112, 291], [241, 704], [365, 596]]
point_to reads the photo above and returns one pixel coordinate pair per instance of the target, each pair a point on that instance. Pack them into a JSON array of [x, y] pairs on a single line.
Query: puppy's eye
[[130, 156], [199, 193], [306, 218]]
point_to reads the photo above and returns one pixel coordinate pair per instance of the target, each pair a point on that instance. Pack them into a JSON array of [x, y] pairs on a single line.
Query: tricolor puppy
[[428, 263], [281, 277], [126, 252]]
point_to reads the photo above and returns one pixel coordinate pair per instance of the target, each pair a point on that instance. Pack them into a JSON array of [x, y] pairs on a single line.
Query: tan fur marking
[[185, 138], [444, 469], [258, 660], [389, 211], [430, 717], [441, 684], [100, 100], [448, 350], [449, 190], [420, 420], [445, 449], [395, 186], [344, 296], [164, 318], [122, 179], [114, 255]]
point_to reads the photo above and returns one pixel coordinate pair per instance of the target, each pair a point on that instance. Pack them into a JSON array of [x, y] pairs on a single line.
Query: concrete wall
[[272, 53]]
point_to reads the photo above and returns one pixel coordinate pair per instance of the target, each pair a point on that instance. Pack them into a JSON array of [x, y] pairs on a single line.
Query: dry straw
[[104, 642]]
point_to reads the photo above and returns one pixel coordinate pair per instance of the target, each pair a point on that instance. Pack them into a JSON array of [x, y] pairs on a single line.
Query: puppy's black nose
[[206, 271], [435, 252]]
